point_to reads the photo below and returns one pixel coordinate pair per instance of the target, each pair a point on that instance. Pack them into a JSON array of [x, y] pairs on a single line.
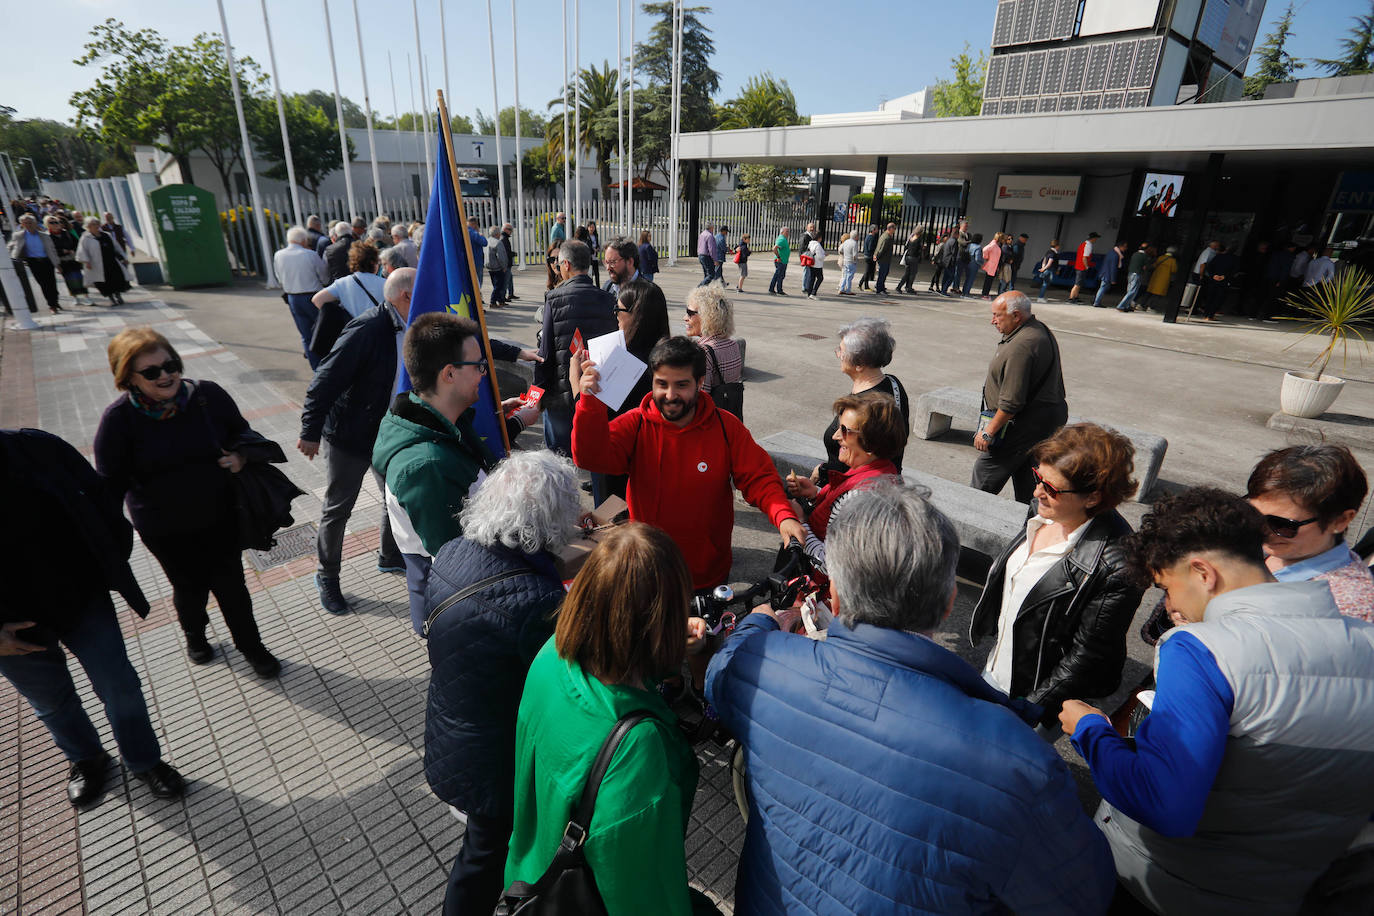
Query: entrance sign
[[1037, 193]]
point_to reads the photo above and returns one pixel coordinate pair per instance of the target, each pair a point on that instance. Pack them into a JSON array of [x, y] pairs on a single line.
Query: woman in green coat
[[623, 628]]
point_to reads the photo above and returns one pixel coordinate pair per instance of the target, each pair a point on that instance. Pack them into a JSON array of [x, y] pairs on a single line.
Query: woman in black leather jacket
[[1058, 598]]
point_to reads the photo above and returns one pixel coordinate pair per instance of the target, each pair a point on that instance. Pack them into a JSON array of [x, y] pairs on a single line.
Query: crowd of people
[[50, 240], [882, 772]]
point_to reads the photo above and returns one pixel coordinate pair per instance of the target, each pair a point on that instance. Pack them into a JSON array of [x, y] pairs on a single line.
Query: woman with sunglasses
[[160, 445], [1308, 495], [1059, 598], [710, 318], [865, 349]]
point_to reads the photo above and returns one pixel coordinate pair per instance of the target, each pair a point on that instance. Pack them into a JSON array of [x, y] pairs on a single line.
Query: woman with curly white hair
[[711, 319], [489, 607]]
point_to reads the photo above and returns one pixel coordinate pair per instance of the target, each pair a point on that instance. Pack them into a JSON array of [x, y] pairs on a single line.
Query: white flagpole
[[367, 108], [496, 104], [415, 113], [443, 40], [424, 105], [631, 154], [619, 110], [338, 113], [672, 148], [577, 104], [247, 157], [519, 157], [567, 152], [281, 116], [396, 120]]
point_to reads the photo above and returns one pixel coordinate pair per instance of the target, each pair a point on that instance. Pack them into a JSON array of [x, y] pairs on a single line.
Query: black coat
[[1069, 638], [352, 387], [336, 257], [575, 304], [480, 650]]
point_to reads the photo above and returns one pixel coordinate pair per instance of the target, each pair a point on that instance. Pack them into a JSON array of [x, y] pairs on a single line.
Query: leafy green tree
[[700, 83], [961, 96], [1358, 49], [314, 141], [353, 113], [60, 151], [459, 124], [765, 101], [202, 95], [1273, 63], [543, 169], [532, 124], [766, 183], [597, 116]]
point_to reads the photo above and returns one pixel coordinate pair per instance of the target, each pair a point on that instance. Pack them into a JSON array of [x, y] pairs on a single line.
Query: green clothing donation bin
[[188, 229]]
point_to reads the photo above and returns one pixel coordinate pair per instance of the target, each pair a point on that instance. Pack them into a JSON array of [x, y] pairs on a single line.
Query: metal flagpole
[[496, 104], [247, 154], [415, 113], [577, 104], [396, 116], [424, 111], [281, 116], [443, 41], [519, 158], [672, 148], [338, 113], [567, 177], [619, 110], [631, 154], [367, 109]]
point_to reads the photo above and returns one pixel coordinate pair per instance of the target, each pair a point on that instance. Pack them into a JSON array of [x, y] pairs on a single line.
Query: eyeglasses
[[481, 364], [1285, 527], [620, 309], [153, 373], [846, 432], [1055, 492], [692, 313]]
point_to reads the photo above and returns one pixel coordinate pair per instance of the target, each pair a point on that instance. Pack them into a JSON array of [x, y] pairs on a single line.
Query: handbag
[[728, 396], [568, 887], [806, 260], [737, 255]]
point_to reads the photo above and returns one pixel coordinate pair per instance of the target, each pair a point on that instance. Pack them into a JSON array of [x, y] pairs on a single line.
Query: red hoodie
[[680, 478]]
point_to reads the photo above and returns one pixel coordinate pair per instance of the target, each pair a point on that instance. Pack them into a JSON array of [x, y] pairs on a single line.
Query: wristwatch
[[986, 437]]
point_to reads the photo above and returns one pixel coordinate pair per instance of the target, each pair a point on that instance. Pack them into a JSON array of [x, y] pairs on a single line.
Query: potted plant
[[1337, 310]]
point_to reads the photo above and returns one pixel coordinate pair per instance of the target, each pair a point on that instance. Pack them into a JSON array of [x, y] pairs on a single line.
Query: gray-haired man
[[302, 274]]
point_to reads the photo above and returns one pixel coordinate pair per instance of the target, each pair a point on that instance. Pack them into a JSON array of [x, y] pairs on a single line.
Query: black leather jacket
[[1069, 639]]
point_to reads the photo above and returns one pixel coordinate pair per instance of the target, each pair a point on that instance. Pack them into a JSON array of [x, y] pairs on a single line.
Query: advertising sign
[[1037, 193], [1159, 194], [187, 222]]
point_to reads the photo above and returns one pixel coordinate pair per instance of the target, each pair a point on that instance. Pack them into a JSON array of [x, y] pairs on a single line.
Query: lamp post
[[37, 181]]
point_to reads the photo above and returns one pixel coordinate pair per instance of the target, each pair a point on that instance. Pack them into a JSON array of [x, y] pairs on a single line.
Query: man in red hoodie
[[684, 458]]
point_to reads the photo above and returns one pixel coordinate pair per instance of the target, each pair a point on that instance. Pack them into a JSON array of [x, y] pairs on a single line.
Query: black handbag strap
[[474, 588], [365, 291], [715, 363]]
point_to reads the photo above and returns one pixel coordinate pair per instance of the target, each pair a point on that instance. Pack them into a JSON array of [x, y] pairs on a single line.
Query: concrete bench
[[936, 411], [986, 523]]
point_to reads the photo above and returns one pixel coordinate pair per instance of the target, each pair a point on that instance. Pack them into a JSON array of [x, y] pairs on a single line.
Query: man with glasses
[[427, 450], [559, 233], [622, 264], [1023, 398], [1250, 775]]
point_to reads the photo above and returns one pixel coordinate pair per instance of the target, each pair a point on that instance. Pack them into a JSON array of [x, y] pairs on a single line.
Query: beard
[[674, 407]]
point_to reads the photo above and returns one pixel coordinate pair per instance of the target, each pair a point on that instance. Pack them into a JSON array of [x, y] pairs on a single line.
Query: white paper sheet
[[620, 369]]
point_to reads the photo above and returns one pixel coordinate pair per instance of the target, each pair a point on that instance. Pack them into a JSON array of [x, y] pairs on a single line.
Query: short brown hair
[[363, 256], [626, 612], [882, 428], [127, 346], [433, 341], [1324, 478], [1093, 459]]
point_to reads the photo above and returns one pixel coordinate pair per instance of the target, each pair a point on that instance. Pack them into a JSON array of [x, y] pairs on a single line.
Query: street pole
[[519, 157], [496, 104], [338, 113], [424, 109], [631, 153], [247, 152], [396, 119], [577, 104], [567, 176], [620, 110], [367, 109], [281, 117]]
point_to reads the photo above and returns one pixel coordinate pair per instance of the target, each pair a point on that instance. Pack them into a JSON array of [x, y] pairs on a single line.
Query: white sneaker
[[1040, 301]]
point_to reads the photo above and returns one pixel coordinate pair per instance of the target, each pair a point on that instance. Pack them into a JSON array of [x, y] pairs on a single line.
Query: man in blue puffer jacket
[[885, 775]]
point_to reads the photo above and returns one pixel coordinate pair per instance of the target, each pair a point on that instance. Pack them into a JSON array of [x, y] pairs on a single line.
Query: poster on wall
[[1037, 193], [1159, 195]]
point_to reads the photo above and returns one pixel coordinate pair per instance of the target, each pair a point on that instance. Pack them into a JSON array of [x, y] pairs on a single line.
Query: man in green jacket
[[427, 449], [882, 256]]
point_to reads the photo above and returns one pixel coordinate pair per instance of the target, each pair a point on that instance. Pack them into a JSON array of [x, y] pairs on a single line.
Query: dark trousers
[[46, 276], [478, 876], [558, 431], [883, 267], [345, 472], [417, 580], [708, 268], [596, 273], [304, 314], [199, 563], [992, 470], [817, 275], [44, 680], [908, 275], [1213, 296], [498, 286], [869, 268], [779, 274]]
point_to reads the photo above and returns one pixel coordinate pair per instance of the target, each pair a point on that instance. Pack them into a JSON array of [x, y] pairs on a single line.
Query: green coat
[[635, 840]]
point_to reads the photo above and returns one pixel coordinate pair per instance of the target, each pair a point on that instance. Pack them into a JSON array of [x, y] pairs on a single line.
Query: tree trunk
[[184, 164]]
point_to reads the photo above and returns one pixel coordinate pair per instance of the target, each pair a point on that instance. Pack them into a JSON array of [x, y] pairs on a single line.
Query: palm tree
[[763, 102], [597, 115]]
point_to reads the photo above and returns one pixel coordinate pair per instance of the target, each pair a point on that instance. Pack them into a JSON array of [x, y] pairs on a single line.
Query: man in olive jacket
[[882, 256]]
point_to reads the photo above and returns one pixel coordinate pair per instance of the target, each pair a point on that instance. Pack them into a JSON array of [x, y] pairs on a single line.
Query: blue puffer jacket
[[886, 776], [480, 649]]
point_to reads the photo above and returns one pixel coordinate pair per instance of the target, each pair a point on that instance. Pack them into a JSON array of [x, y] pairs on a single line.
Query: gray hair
[[91, 221], [297, 235], [868, 342], [393, 257], [717, 315], [495, 230], [312, 219], [529, 503], [892, 556], [399, 281], [377, 236], [1017, 301], [399, 231], [577, 254], [340, 229]]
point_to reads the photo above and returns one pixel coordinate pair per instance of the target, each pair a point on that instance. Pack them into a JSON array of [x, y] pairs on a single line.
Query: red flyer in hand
[[577, 343]]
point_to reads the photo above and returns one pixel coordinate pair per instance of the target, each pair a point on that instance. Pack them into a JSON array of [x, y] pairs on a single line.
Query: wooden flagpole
[[472, 269]]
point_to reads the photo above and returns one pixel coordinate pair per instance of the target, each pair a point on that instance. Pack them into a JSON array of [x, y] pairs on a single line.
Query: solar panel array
[[1086, 77], [1020, 22]]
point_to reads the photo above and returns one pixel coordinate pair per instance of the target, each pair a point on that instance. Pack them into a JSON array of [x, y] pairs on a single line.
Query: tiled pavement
[[307, 793]]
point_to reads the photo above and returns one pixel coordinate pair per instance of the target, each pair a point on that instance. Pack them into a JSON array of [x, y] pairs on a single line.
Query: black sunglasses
[[692, 314], [1055, 492], [153, 373], [846, 432], [1285, 527], [481, 364]]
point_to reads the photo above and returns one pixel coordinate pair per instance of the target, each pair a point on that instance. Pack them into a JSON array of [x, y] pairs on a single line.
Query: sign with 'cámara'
[[1037, 193]]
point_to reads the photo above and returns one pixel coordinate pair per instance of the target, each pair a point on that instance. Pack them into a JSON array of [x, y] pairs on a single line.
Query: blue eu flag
[[444, 284]]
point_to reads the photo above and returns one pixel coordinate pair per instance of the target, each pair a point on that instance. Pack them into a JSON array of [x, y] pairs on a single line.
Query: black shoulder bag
[[729, 396], [568, 887]]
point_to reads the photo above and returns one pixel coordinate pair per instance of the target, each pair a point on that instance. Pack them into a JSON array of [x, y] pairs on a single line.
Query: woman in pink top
[[992, 259]]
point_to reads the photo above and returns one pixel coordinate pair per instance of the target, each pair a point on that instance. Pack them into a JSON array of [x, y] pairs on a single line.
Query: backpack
[[964, 255]]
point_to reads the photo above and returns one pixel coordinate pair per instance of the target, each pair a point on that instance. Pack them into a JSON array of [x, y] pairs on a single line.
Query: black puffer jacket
[[480, 650], [352, 387], [1069, 639], [575, 304]]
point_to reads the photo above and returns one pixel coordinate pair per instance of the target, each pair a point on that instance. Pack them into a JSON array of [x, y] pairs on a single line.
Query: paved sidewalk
[[306, 793]]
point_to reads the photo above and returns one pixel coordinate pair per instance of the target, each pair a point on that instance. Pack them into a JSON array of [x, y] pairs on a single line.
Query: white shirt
[[1299, 265], [300, 270], [412, 254], [817, 252], [1024, 570], [352, 296], [1319, 271], [849, 252], [1203, 259]]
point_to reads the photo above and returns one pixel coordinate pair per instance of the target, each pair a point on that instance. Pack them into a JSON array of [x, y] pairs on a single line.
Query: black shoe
[[512, 296], [198, 648], [390, 564], [163, 781], [331, 596], [263, 662], [586, 486], [86, 781]]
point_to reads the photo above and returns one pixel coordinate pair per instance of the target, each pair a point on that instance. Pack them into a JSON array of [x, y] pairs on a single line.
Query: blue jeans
[[847, 277], [642, 276], [779, 274], [1102, 287], [951, 278], [708, 268], [304, 313], [970, 272], [510, 282], [1132, 290], [558, 431], [719, 271], [1044, 283], [806, 279], [498, 285], [45, 681], [417, 577], [883, 267]]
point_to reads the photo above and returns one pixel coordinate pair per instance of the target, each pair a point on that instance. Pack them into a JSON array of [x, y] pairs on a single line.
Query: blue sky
[[826, 51]]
